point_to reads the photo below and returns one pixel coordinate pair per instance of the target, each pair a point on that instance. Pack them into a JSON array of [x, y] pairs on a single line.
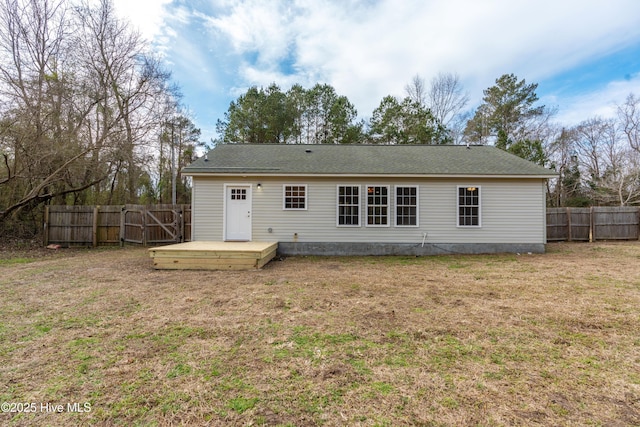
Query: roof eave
[[352, 175]]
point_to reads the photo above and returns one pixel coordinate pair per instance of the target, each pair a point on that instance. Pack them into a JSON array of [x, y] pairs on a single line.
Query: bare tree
[[629, 117], [590, 137], [624, 177], [416, 90], [608, 162], [131, 87], [562, 156], [629, 120], [446, 97], [37, 136], [81, 105]]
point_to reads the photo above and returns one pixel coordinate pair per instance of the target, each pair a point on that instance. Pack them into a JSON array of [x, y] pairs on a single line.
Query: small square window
[[295, 197], [238, 194]]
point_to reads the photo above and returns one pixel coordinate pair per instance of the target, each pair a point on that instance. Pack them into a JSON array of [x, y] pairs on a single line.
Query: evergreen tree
[[406, 122], [509, 118]]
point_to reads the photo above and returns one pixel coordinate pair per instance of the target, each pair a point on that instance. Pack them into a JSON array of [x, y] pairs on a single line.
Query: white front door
[[238, 212]]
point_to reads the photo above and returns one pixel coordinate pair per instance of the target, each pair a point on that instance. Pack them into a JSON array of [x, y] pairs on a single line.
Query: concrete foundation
[[364, 249]]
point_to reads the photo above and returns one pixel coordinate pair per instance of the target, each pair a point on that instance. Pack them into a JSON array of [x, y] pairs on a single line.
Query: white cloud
[[147, 16], [601, 102], [367, 49], [480, 41], [256, 26]]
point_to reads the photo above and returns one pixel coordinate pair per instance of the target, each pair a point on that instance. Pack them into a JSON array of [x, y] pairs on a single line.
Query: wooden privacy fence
[[116, 225], [591, 224], [162, 224]]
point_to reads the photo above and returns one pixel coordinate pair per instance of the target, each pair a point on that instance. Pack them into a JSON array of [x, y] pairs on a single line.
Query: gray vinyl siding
[[512, 211], [207, 205]]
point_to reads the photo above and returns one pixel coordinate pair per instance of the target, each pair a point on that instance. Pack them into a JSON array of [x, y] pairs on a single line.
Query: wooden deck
[[213, 255]]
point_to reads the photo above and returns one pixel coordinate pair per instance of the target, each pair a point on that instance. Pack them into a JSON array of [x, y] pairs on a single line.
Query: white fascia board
[[316, 175]]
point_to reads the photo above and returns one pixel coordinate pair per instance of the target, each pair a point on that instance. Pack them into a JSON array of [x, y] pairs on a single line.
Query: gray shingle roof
[[447, 160]]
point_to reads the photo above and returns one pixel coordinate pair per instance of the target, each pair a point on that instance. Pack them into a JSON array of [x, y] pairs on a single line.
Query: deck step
[[213, 255]]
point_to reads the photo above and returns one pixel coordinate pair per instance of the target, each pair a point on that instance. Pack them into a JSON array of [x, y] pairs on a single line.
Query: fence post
[[181, 223], [144, 226], [592, 228], [94, 239], [122, 226], [45, 234], [569, 224]]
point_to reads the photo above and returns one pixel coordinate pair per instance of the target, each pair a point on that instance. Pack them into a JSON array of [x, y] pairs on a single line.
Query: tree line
[[89, 115], [598, 160], [320, 116]]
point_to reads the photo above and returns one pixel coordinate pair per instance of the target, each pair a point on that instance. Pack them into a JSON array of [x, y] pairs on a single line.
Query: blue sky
[[584, 54]]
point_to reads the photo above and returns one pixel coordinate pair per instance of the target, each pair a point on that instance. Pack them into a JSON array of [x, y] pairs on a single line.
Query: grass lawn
[[97, 337]]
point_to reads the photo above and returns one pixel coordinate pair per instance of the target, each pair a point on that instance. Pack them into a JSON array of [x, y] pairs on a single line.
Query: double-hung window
[[469, 206], [349, 205], [406, 206], [295, 197], [378, 206]]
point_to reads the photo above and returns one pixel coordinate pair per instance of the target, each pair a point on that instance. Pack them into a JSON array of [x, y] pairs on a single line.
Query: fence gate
[[150, 225]]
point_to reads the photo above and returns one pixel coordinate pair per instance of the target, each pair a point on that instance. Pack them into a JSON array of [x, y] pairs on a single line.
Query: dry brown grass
[[453, 340]]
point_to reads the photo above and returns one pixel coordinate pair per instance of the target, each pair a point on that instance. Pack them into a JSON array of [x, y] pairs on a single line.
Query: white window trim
[[284, 197], [338, 206], [366, 210], [395, 207], [479, 206]]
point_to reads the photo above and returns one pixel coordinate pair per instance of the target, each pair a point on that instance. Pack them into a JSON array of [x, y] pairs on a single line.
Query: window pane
[[406, 206], [348, 206], [377, 205], [468, 206], [295, 197]]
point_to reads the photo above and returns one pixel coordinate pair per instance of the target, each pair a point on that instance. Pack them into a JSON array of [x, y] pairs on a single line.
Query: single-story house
[[370, 199]]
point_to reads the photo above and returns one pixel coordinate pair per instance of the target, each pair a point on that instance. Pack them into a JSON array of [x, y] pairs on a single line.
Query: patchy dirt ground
[[452, 340]]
